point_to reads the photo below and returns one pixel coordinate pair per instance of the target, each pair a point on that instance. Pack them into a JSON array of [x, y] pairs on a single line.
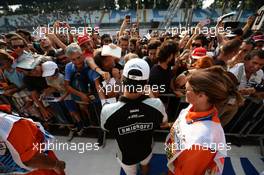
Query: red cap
[[198, 52], [83, 39]]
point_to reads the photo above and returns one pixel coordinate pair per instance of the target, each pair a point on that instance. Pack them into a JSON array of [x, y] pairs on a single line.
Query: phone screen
[[259, 17], [128, 19], [205, 22], [2, 91]]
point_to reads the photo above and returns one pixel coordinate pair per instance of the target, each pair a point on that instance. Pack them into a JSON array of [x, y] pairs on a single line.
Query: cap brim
[[231, 35], [136, 78], [3, 42], [83, 42], [197, 57], [259, 40], [25, 67]]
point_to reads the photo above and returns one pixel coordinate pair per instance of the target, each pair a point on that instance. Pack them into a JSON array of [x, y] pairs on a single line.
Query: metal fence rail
[[248, 122]]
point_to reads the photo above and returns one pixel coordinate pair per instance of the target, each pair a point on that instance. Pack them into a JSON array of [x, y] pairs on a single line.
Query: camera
[[258, 87], [127, 17], [143, 41]]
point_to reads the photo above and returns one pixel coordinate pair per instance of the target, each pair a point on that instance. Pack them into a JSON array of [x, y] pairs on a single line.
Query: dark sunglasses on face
[[3, 47], [62, 58], [107, 40], [46, 47], [196, 45], [18, 46], [79, 57]]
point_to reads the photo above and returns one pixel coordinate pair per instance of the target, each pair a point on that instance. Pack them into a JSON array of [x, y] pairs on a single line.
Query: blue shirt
[[15, 77], [70, 69], [82, 80]]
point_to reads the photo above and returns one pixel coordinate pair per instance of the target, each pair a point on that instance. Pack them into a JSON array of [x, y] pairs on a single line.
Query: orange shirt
[[22, 136], [196, 160], [193, 162]]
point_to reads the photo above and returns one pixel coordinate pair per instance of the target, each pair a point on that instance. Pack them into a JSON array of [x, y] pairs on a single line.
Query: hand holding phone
[[2, 91], [128, 19], [221, 18], [205, 22]]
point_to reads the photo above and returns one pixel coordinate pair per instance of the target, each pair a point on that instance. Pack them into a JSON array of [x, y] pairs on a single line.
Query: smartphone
[[226, 16], [128, 19], [259, 17], [2, 91], [205, 22], [48, 98]]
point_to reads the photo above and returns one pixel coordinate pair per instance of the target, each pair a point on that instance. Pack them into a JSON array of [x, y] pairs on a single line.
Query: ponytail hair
[[217, 84]]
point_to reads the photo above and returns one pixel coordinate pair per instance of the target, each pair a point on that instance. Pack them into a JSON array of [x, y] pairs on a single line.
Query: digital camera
[[258, 87]]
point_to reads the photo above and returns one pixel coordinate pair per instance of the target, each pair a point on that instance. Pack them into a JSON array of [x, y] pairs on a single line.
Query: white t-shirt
[[239, 71]]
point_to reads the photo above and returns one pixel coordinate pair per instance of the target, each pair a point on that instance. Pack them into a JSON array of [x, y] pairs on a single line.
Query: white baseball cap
[[136, 69], [27, 62], [49, 68]]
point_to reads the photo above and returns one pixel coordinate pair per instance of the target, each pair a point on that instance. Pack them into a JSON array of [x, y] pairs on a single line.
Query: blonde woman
[[196, 144]]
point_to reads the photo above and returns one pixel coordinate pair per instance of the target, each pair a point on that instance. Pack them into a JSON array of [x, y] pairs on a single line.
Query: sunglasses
[[196, 45], [62, 58], [245, 50], [3, 47], [18, 46], [46, 47], [107, 40]]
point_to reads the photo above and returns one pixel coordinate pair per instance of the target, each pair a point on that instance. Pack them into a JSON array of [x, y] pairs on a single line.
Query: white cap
[[49, 68], [136, 69], [111, 50], [28, 62]]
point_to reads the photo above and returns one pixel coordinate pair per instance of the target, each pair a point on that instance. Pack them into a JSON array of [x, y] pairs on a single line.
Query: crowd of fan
[[70, 69]]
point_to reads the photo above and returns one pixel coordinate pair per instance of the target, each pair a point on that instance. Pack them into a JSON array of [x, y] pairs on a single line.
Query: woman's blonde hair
[[216, 83], [204, 62]]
